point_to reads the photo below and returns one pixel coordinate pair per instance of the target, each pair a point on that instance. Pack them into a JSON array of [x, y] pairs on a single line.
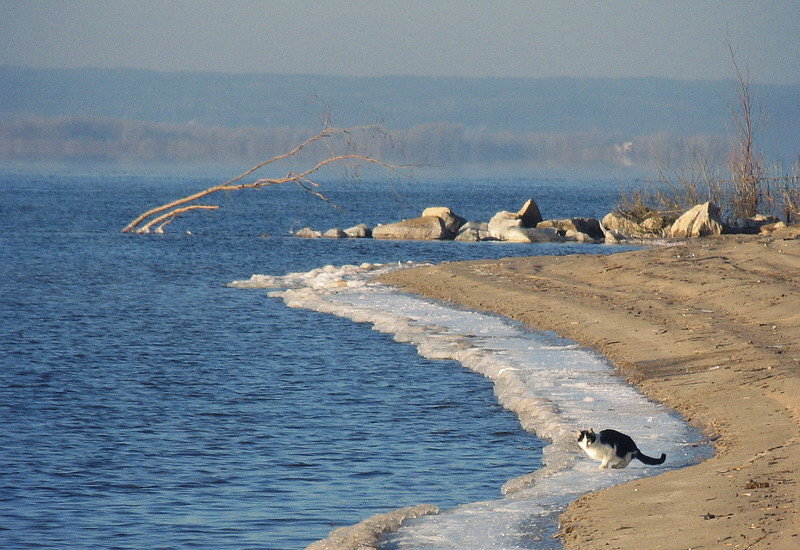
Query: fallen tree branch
[[145, 221], [171, 215]]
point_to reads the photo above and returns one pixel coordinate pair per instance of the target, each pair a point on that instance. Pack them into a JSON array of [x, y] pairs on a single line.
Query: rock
[[501, 223], [580, 237], [532, 235], [700, 221], [360, 231], [624, 225], [308, 233], [610, 236], [335, 233], [770, 227], [588, 226], [655, 224], [474, 231], [507, 226], [756, 223], [480, 226], [529, 214], [504, 225], [543, 235], [619, 224], [426, 228], [452, 221], [470, 235], [515, 235]]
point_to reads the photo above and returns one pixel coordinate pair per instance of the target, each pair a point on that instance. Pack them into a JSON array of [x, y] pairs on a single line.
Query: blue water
[[145, 404]]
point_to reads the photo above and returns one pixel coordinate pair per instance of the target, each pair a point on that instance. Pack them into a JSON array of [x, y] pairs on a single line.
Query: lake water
[[146, 403]]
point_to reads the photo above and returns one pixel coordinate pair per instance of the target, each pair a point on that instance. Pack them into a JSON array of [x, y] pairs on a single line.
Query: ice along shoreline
[[552, 385]]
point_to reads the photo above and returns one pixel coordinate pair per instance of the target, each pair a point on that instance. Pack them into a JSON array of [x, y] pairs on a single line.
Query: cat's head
[[587, 436]]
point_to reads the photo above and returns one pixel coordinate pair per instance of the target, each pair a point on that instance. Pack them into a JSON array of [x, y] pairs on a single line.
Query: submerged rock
[[360, 231], [469, 236], [473, 232], [335, 233], [427, 228], [580, 237], [534, 235], [308, 233]]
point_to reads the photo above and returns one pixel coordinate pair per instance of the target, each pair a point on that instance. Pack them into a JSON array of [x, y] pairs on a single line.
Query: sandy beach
[[710, 328]]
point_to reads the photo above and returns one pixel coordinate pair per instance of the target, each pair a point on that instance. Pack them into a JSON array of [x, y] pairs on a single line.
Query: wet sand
[[711, 328]]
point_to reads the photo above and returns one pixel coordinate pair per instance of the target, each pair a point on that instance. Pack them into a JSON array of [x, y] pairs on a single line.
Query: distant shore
[[709, 327]]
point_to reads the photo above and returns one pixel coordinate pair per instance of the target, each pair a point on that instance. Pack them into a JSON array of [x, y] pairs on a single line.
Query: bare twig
[[747, 164], [172, 214]]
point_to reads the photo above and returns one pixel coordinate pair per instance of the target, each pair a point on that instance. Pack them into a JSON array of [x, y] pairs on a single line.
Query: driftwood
[[162, 215]]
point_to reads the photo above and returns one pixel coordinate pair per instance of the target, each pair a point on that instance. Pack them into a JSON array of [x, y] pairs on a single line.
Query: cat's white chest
[[605, 454], [597, 451]]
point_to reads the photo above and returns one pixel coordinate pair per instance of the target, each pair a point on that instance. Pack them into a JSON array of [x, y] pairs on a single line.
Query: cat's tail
[[649, 460]]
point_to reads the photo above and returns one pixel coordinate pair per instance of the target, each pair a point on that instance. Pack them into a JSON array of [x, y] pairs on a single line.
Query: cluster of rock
[[441, 223], [700, 221], [527, 226]]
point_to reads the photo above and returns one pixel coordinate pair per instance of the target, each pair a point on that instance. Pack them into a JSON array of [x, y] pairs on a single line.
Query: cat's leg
[[623, 462]]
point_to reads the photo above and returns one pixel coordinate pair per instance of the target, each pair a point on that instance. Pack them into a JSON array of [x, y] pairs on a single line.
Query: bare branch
[[305, 186], [172, 214], [302, 178]]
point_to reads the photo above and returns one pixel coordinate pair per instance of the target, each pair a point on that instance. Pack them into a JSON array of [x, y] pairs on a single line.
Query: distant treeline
[[436, 144], [123, 114], [83, 138]]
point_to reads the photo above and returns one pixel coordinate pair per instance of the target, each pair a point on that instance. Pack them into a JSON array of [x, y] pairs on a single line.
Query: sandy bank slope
[[712, 329]]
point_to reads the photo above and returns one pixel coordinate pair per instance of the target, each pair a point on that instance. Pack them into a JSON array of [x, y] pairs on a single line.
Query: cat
[[614, 448]]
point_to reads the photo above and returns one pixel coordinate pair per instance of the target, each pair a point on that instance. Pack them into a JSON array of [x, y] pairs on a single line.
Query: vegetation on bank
[[742, 184]]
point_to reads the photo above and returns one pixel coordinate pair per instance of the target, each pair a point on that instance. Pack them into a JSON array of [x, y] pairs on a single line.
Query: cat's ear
[[591, 431]]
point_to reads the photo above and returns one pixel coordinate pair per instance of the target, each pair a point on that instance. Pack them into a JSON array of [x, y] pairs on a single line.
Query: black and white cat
[[614, 448]]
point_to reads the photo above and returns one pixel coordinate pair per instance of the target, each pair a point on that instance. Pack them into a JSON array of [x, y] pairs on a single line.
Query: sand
[[709, 327]]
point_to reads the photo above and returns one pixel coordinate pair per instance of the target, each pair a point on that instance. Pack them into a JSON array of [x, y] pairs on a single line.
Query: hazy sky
[[678, 39]]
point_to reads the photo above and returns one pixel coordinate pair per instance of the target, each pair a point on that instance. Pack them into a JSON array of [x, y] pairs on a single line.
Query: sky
[[674, 39]]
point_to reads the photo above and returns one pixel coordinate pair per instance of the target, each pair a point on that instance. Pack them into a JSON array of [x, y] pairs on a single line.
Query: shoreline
[[709, 327], [535, 376]]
